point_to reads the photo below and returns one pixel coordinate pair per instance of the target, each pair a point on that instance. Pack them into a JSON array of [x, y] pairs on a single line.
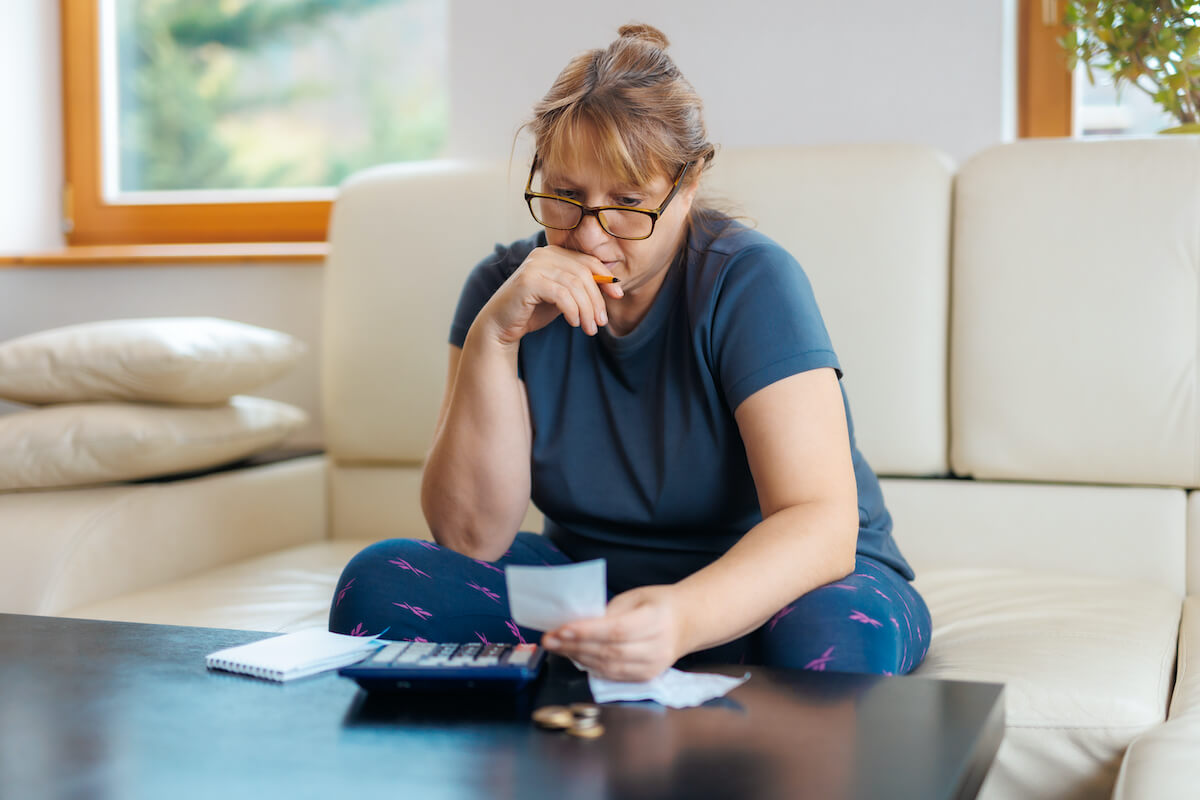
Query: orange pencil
[[605, 279]]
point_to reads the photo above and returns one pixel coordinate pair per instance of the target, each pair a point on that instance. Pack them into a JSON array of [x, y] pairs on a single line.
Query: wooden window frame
[[1045, 100], [89, 220], [1044, 108]]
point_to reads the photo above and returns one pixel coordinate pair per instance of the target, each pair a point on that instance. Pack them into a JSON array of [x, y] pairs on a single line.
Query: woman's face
[[640, 264]]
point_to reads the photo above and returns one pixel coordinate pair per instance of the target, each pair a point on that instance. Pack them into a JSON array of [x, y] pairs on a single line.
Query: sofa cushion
[[374, 501], [1087, 663], [1163, 763], [78, 444], [870, 225], [1081, 530], [1074, 337], [167, 360], [391, 286], [284, 591], [1185, 700], [71, 547]]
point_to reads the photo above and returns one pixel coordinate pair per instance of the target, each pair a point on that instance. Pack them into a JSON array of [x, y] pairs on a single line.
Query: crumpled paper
[[673, 688], [543, 598]]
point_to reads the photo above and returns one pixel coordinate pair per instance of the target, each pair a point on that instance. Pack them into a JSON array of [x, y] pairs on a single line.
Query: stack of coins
[[578, 719]]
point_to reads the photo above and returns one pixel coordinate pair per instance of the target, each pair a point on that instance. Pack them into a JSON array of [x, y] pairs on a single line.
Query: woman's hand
[[551, 281], [639, 636]]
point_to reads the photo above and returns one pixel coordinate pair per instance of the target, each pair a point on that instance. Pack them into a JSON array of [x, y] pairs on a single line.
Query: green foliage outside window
[[242, 94], [1153, 45]]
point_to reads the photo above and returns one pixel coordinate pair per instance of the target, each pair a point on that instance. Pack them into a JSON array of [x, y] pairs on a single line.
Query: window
[[202, 121], [1055, 102], [1102, 110], [1044, 105]]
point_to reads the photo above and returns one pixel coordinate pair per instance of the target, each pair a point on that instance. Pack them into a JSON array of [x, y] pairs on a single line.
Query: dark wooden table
[[120, 710]]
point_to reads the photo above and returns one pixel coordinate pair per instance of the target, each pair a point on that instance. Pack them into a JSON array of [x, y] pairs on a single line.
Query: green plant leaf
[[1143, 42], [1191, 46]]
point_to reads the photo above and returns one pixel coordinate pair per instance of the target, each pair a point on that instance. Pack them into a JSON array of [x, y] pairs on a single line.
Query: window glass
[[1101, 110], [255, 95]]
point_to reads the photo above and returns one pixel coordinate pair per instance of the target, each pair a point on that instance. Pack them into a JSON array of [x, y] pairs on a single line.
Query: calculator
[[442, 666]]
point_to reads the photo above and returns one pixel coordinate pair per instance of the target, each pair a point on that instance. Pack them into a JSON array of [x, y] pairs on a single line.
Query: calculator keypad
[[451, 654]]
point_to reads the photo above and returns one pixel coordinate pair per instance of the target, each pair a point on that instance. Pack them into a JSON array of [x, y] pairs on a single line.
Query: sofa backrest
[[870, 226], [1075, 325], [869, 223], [402, 240], [1061, 348]]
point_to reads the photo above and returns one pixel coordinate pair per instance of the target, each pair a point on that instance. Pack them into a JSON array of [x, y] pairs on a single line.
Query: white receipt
[[543, 598], [672, 688]]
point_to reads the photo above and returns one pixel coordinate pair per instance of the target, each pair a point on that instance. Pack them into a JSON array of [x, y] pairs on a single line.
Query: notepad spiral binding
[[227, 665]]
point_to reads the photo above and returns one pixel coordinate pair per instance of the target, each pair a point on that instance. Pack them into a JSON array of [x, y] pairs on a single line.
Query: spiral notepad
[[293, 655]]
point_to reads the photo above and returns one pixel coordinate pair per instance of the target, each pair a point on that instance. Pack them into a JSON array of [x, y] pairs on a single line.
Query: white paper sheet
[[294, 655], [542, 598]]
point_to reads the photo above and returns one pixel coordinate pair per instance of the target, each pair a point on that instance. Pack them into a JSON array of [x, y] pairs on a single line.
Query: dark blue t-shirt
[[637, 457]]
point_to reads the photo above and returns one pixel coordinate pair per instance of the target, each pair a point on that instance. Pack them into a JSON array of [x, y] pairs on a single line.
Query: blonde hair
[[629, 107]]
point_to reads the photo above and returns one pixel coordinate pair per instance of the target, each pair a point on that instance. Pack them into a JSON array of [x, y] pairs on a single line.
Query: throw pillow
[[166, 360], [88, 443]]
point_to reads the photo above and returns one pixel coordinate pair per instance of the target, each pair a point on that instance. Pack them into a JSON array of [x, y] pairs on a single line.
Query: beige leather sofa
[[1020, 341]]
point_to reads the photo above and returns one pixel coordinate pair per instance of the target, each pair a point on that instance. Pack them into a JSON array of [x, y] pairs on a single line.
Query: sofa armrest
[[68, 547]]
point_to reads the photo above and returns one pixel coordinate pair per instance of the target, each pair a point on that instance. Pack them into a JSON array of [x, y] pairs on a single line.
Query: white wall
[[938, 72], [30, 126]]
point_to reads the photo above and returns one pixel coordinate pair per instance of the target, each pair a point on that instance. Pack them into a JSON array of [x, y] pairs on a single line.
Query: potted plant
[[1151, 44]]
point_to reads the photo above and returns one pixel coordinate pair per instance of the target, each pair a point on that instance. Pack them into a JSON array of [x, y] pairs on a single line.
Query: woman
[[657, 377]]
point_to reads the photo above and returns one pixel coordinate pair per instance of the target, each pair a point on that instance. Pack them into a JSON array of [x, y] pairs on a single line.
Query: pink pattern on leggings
[[489, 566], [486, 591], [859, 616], [402, 564], [420, 612], [818, 664], [783, 613], [342, 593], [515, 631]]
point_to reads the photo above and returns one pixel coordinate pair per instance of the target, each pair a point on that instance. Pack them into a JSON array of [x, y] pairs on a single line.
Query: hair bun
[[638, 30]]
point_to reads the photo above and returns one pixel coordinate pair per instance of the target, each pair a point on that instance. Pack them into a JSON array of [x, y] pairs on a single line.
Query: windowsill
[[237, 252]]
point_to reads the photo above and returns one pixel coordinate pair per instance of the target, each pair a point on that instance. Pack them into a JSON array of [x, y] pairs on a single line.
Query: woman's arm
[[476, 483], [797, 443], [799, 452]]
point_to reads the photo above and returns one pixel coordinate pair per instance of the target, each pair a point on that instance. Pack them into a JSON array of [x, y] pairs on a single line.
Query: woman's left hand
[[638, 638]]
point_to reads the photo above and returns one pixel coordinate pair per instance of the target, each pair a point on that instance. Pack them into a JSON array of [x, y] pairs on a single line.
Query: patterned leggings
[[871, 621]]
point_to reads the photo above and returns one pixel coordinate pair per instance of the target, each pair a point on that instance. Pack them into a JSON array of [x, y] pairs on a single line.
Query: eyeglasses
[[623, 222]]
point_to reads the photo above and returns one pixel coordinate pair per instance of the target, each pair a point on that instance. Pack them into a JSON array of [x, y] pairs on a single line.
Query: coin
[[553, 717], [592, 731], [585, 710]]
